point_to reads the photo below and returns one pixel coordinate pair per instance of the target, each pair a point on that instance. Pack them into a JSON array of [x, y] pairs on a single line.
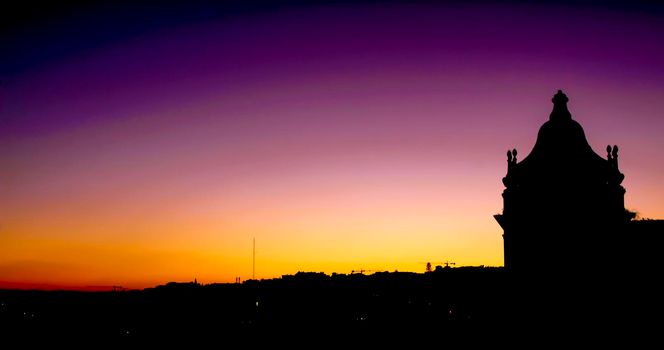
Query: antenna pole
[[253, 262]]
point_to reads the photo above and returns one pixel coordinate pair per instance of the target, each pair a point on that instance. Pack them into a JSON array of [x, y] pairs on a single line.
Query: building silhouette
[[563, 204]]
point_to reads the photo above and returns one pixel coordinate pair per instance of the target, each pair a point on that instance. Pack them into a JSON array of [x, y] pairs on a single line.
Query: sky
[[143, 144]]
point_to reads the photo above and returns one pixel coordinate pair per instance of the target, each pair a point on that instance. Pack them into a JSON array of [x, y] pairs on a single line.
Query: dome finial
[[559, 98], [560, 107]]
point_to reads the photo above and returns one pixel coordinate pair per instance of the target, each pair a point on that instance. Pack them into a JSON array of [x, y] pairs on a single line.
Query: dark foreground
[[470, 305]]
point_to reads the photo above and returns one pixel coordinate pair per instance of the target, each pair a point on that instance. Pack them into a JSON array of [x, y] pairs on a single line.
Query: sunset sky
[[143, 144]]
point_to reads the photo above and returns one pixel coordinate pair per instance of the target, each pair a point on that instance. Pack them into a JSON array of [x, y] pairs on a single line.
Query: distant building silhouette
[[563, 203]]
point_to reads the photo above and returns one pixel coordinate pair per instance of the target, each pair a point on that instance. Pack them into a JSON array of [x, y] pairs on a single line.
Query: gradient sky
[[141, 145]]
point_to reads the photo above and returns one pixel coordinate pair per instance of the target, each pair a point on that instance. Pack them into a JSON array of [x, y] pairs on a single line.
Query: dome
[[561, 155], [563, 199]]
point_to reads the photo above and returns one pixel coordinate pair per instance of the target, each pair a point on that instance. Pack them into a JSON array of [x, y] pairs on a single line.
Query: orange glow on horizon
[[378, 144]]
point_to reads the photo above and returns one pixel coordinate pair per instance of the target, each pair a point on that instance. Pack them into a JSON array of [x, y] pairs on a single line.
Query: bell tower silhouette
[[563, 204]]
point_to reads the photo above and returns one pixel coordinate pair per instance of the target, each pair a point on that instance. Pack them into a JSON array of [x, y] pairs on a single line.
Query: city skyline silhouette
[[331, 174]]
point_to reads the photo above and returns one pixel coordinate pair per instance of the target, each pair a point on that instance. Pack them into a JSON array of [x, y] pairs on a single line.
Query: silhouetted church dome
[[561, 156], [562, 199]]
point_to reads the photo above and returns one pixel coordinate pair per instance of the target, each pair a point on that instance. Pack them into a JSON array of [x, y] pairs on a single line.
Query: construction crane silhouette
[[429, 268], [360, 271]]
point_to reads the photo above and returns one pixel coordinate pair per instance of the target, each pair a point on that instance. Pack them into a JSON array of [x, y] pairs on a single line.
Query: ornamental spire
[[560, 111]]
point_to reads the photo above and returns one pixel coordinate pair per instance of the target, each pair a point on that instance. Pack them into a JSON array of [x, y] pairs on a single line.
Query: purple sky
[[319, 130]]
